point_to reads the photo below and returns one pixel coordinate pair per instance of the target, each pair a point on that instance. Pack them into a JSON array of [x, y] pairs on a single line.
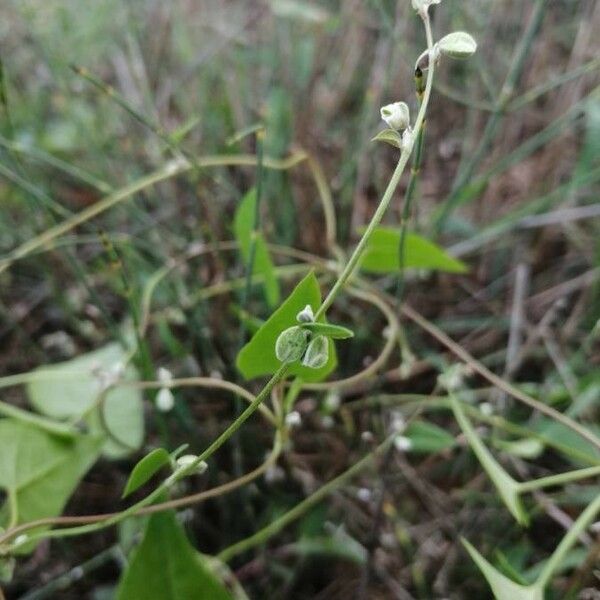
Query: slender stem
[[559, 479], [584, 519], [277, 525], [410, 190], [389, 192]]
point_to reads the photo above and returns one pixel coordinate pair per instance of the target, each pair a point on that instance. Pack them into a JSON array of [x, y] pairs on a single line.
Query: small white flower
[[306, 315], [364, 494], [367, 437], [398, 424], [293, 419], [21, 539], [402, 443], [486, 408], [164, 375], [187, 459], [396, 115], [452, 378], [165, 401], [421, 6], [332, 401]]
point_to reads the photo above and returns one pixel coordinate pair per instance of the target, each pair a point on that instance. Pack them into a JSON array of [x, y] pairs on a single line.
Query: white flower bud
[[457, 45], [396, 115], [364, 494], [164, 375], [187, 459], [293, 419], [421, 6], [165, 400], [402, 443], [306, 315], [407, 139]]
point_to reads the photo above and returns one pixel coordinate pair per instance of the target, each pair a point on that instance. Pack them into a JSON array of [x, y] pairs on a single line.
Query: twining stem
[[165, 485], [412, 184], [584, 519], [278, 524], [389, 192]]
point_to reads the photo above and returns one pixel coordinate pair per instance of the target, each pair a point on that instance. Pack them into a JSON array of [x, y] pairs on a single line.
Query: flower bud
[[293, 419], [396, 115], [306, 315], [457, 45], [164, 400], [188, 459], [421, 6]]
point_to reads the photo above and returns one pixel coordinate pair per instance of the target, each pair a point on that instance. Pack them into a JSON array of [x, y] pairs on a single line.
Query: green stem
[[584, 519], [276, 526], [389, 192], [559, 479], [165, 485]]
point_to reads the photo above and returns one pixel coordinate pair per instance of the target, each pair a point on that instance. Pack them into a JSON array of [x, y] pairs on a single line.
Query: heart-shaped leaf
[[166, 566], [258, 356], [39, 471], [72, 388]]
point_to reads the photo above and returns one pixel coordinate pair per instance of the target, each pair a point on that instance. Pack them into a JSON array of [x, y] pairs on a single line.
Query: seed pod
[[291, 344], [317, 353]]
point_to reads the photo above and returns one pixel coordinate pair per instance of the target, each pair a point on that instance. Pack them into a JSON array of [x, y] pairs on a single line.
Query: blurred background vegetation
[[509, 184]]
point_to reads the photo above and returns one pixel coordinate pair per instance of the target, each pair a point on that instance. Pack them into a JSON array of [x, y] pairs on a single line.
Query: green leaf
[[335, 332], [39, 471], [73, 387], [563, 436], [382, 254], [258, 357], [243, 227], [502, 586], [426, 437], [507, 487], [317, 353], [166, 566], [145, 469], [389, 136]]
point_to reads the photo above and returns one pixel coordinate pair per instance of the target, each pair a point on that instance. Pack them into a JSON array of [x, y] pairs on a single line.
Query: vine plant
[[295, 347]]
